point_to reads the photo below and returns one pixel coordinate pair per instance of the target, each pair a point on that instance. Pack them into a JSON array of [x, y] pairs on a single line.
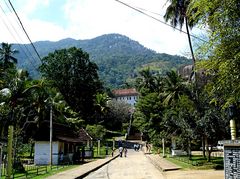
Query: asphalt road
[[134, 166]]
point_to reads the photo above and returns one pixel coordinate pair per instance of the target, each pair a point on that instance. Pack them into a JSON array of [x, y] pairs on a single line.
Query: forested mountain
[[118, 57]]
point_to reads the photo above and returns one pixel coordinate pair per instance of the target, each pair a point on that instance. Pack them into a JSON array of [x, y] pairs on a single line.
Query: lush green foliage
[[195, 111], [75, 77], [170, 108], [119, 58]]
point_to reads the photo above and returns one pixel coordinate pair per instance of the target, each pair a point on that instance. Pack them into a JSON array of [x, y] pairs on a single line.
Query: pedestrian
[[120, 151], [125, 152], [147, 148], [112, 152], [61, 157], [138, 147]]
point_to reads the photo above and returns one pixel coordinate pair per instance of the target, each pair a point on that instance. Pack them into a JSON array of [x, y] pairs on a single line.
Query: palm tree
[[101, 107], [173, 88], [146, 82], [176, 13], [6, 55]]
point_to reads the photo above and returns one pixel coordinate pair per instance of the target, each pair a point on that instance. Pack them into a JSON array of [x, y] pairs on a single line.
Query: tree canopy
[[75, 76]]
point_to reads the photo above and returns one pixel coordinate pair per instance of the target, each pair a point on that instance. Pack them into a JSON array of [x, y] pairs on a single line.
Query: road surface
[[134, 166]]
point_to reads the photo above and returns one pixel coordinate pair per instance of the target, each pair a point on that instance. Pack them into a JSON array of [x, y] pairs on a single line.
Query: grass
[[42, 174], [102, 153], [32, 170], [197, 162], [52, 172]]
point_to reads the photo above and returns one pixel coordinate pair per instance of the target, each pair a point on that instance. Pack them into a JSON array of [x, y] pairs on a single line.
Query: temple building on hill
[[129, 96]]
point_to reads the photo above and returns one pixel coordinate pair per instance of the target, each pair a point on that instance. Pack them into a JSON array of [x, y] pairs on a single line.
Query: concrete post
[[50, 142], [163, 146], [233, 129], [113, 147], [0, 160], [9, 152], [99, 144]]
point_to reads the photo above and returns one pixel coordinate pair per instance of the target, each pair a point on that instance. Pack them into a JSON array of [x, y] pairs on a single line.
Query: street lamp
[[232, 114]]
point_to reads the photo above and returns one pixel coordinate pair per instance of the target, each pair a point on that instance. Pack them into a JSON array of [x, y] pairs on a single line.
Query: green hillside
[[118, 57]]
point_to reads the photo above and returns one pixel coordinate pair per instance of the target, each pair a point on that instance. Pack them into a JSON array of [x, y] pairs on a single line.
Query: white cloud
[[90, 18], [26, 7]]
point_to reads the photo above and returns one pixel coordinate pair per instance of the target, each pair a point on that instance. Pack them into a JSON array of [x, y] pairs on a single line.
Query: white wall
[[128, 99], [42, 153]]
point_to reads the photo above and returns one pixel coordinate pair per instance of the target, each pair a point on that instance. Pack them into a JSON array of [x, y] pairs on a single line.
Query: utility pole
[[9, 152], [1, 159], [50, 161]]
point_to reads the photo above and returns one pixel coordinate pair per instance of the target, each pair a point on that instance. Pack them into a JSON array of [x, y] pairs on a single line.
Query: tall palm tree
[[6, 55], [176, 13]]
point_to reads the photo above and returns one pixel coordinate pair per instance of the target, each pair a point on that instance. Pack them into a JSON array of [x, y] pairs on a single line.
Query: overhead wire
[[25, 50], [25, 31], [141, 10]]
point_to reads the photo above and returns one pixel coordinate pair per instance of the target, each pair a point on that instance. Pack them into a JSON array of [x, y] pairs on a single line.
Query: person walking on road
[[120, 151], [125, 152]]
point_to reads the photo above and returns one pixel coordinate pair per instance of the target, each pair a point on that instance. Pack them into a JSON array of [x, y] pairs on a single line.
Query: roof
[[69, 139], [125, 92], [61, 132], [83, 135]]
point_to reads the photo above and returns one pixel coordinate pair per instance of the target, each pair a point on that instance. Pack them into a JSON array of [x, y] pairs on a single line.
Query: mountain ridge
[[118, 57]]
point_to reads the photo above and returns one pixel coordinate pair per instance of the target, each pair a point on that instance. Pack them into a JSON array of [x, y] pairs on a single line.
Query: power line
[[25, 30], [142, 12], [10, 31]]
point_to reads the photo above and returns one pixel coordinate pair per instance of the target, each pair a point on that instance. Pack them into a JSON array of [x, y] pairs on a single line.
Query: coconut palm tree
[[176, 13], [6, 55], [174, 88], [146, 82]]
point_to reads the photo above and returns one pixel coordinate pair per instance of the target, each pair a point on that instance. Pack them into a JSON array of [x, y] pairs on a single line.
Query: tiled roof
[[61, 132], [83, 135], [125, 92]]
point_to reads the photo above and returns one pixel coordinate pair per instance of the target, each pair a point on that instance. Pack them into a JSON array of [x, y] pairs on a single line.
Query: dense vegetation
[[119, 58], [198, 110], [189, 111]]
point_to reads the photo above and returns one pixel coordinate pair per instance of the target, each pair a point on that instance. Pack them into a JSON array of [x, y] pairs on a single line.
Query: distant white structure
[[129, 96]]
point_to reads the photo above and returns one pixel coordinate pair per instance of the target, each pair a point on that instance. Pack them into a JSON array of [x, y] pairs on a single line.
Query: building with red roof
[[129, 96]]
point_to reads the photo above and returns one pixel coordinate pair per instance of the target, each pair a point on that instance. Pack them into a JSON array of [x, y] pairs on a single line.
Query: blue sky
[[83, 19], [45, 13]]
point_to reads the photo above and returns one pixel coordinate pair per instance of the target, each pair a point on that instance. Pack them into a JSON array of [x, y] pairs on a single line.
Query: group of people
[[148, 148], [122, 150], [136, 147]]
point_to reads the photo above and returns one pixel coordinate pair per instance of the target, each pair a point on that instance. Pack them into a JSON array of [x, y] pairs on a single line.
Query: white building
[[65, 144], [129, 96]]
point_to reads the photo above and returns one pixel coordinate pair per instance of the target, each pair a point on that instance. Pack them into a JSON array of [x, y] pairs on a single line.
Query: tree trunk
[[31, 150], [191, 49], [189, 148], [203, 146], [208, 151], [190, 42]]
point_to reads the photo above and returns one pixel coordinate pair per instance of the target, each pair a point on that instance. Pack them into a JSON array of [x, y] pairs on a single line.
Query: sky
[[85, 19]]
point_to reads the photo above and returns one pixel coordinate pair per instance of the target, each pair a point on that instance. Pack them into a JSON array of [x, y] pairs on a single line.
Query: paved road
[[134, 166]]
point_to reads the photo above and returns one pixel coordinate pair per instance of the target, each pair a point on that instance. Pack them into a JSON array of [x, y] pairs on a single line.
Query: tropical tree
[[146, 82], [176, 13], [117, 115], [76, 78], [101, 105], [222, 64], [6, 55], [174, 87]]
